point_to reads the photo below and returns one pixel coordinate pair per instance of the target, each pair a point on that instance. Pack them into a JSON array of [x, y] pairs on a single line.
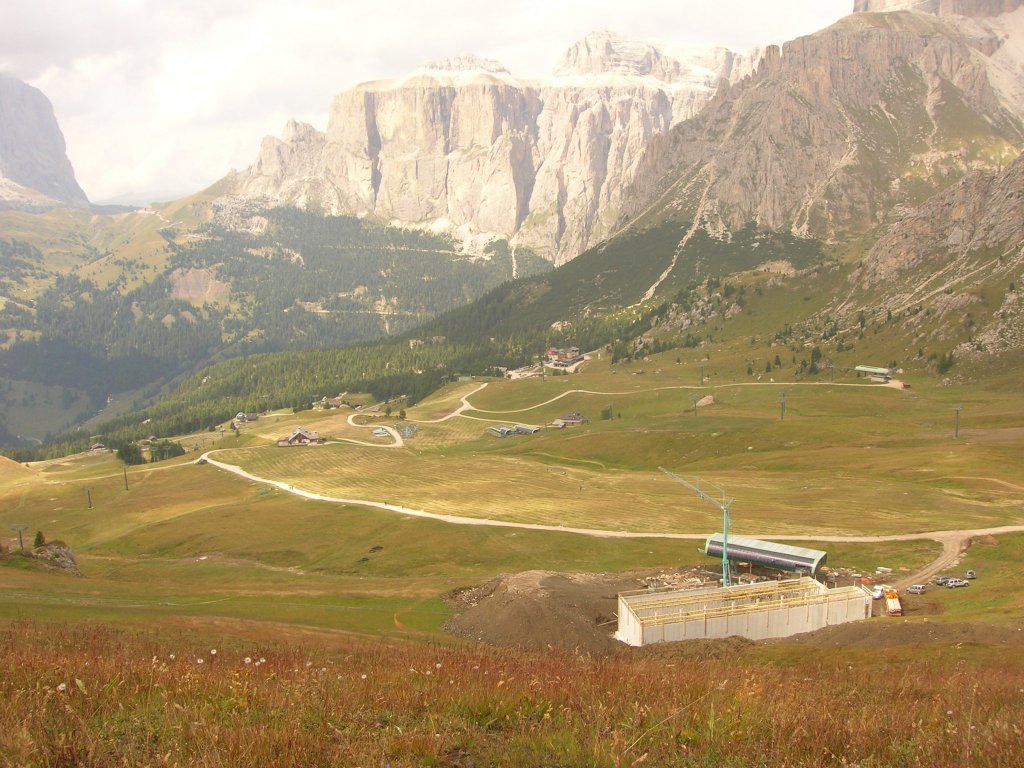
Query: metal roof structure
[[872, 370], [769, 553]]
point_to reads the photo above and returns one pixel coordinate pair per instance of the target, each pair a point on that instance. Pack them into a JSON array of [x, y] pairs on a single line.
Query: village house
[[242, 417], [300, 436]]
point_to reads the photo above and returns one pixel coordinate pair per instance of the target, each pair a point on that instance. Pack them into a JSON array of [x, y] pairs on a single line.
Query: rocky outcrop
[[461, 145], [34, 169], [836, 132], [953, 257], [982, 213], [58, 556], [971, 8]]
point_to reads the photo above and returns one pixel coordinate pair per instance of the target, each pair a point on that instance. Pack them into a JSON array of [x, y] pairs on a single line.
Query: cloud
[[160, 99]]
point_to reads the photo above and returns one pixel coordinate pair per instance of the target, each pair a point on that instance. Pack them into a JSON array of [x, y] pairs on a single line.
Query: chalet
[[573, 418], [300, 436], [242, 417], [381, 432]]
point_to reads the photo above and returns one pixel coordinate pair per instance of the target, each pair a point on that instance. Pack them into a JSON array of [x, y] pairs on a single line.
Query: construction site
[[754, 611], [758, 610]]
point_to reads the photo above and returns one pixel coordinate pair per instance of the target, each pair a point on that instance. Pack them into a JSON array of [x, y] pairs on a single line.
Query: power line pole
[[956, 429], [125, 468], [88, 497], [696, 399], [782, 405], [21, 541]]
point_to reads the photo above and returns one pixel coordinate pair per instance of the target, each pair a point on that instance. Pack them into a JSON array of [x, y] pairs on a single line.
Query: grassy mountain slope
[[121, 304]]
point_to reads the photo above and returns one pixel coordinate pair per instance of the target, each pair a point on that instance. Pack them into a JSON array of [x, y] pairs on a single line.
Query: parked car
[[878, 592], [970, 575], [941, 581], [954, 583], [917, 589]]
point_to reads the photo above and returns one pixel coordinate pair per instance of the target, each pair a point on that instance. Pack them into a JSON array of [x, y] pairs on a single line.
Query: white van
[[917, 589]]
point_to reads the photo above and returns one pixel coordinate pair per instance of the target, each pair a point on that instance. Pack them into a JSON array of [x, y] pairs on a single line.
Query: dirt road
[[954, 543]]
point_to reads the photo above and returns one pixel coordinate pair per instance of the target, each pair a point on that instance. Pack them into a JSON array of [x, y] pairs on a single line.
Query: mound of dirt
[[544, 609]]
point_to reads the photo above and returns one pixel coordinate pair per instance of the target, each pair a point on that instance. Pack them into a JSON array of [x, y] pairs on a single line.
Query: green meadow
[[188, 542]]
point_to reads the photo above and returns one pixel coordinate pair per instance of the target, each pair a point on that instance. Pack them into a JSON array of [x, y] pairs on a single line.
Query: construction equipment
[[892, 602], [724, 505]]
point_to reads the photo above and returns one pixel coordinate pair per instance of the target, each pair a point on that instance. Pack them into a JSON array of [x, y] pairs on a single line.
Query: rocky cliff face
[[34, 169], [461, 145], [839, 131], [961, 257], [972, 8]]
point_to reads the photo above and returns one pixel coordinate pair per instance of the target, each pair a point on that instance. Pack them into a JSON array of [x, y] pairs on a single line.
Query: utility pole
[[88, 497], [125, 468], [782, 405], [21, 541], [956, 429], [702, 375], [696, 399]]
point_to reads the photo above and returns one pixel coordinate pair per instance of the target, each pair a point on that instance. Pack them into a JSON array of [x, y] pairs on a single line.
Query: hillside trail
[[556, 398]]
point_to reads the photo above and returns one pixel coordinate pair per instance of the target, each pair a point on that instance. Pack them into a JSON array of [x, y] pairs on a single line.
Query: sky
[[160, 99]]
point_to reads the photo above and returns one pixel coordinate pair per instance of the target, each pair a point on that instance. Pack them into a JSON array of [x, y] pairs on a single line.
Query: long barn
[[770, 554]]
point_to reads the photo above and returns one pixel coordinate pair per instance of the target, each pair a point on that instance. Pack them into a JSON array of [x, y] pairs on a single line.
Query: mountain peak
[[32, 150], [972, 8], [605, 52], [466, 62]]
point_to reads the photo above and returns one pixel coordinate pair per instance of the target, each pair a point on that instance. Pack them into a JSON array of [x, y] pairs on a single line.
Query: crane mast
[[724, 505]]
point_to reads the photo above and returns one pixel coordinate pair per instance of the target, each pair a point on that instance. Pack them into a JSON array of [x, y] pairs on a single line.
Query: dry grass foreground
[[87, 695]]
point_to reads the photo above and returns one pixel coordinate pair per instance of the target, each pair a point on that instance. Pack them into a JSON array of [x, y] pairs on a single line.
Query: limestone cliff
[[463, 146], [34, 169]]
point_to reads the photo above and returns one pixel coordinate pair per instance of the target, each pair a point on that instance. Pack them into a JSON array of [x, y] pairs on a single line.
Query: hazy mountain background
[[870, 167]]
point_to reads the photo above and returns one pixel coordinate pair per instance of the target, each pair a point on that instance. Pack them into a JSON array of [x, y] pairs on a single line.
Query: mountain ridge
[[875, 113]]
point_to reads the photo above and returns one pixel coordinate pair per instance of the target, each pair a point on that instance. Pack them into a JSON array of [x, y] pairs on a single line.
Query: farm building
[[501, 430], [526, 429], [756, 611], [873, 372], [767, 553]]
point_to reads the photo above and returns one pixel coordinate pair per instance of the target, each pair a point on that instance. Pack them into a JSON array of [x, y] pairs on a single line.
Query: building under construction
[[755, 611]]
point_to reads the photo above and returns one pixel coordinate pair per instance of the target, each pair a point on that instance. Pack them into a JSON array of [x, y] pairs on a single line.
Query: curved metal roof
[[768, 553]]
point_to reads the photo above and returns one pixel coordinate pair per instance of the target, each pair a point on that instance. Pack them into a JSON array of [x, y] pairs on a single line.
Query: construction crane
[[724, 505]]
